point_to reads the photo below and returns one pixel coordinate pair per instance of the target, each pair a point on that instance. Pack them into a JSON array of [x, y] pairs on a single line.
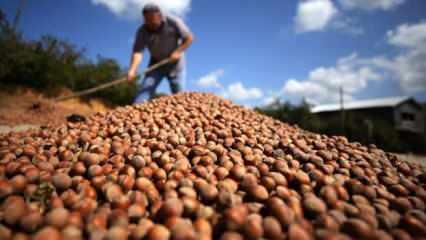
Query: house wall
[[391, 115], [405, 125], [411, 138], [385, 114]]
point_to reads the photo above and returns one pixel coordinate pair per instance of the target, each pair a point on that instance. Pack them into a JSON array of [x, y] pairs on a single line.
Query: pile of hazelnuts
[[196, 166]]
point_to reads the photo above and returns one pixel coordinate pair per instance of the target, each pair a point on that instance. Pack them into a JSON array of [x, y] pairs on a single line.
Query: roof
[[363, 104]]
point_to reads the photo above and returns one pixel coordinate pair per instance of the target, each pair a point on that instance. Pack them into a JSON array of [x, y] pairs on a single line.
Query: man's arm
[[137, 55], [185, 34], [178, 52], [136, 60]]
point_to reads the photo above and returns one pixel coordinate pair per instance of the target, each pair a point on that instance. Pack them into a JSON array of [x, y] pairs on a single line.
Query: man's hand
[[131, 75], [175, 56], [134, 64]]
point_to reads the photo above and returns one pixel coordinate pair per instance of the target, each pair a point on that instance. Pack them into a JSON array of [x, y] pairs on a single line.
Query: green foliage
[[294, 114], [50, 65], [358, 127]]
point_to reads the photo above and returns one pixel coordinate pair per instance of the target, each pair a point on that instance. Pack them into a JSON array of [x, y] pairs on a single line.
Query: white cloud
[[411, 71], [211, 80], [314, 15], [410, 66], [371, 4], [323, 83], [307, 88], [237, 91], [347, 25], [408, 69], [133, 8], [411, 36], [234, 91], [269, 100], [319, 15]]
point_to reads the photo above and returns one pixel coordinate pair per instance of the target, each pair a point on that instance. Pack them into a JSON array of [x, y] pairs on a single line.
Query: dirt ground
[[25, 108], [413, 158], [18, 128]]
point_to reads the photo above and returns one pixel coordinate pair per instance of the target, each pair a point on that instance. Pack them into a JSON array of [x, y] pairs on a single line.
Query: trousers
[[147, 85]]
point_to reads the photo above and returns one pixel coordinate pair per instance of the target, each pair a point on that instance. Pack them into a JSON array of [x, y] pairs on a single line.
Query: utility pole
[[342, 110], [18, 14]]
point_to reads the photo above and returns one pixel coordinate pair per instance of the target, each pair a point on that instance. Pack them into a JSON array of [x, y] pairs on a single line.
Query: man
[[165, 37]]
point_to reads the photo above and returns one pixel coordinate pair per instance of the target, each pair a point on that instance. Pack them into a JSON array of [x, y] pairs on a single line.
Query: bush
[[50, 65], [294, 114]]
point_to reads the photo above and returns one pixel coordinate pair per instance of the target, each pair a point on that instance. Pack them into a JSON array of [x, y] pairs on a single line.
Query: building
[[404, 113]]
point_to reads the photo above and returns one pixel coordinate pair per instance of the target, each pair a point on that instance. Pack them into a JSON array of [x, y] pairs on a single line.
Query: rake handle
[[113, 83]]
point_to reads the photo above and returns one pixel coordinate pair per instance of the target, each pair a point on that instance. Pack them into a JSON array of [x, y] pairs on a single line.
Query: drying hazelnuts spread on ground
[[195, 166]]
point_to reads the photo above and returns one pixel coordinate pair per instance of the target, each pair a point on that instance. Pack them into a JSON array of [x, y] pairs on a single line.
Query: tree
[[293, 114], [51, 64]]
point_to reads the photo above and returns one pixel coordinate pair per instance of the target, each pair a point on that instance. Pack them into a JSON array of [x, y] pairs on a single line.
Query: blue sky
[[253, 52]]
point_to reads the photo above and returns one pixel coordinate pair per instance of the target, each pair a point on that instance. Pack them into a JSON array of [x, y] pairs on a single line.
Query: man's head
[[152, 16]]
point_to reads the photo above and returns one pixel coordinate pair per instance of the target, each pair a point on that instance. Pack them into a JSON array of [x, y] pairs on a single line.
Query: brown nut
[[272, 228], [61, 181], [231, 236], [57, 217], [314, 206], [297, 232], [158, 232], [357, 228], [14, 208], [31, 221], [253, 228], [48, 233], [171, 208]]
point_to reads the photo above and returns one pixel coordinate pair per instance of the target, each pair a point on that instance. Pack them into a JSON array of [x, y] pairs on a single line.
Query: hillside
[[28, 107]]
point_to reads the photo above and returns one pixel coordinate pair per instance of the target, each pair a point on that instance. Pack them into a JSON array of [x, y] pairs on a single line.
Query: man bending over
[[165, 37]]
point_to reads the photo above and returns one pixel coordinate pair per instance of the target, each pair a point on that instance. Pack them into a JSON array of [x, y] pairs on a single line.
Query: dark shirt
[[162, 43]]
